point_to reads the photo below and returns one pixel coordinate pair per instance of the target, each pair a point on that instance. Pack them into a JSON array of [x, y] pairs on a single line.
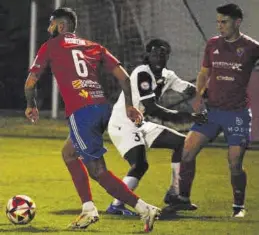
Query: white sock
[[132, 183], [88, 206], [238, 206], [141, 206], [174, 188]]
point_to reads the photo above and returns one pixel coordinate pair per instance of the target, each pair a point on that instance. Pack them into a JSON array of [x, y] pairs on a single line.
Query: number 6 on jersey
[[80, 65]]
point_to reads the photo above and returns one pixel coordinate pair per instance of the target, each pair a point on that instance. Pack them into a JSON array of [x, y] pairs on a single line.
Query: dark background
[[14, 51]]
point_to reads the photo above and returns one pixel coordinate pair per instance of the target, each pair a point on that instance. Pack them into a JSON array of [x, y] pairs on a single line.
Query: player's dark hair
[[68, 14], [232, 10], [156, 43]]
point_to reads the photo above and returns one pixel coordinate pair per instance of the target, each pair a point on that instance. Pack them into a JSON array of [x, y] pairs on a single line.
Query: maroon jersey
[[75, 63], [231, 64]]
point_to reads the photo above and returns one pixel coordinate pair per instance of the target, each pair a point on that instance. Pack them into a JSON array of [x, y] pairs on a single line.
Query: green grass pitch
[[35, 168]]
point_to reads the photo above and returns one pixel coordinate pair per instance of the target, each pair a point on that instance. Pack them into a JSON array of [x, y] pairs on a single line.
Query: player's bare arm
[[153, 109], [120, 73], [29, 90], [202, 80], [31, 111], [201, 84]]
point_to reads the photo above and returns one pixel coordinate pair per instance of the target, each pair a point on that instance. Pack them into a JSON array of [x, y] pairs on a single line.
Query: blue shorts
[[87, 126], [236, 126]]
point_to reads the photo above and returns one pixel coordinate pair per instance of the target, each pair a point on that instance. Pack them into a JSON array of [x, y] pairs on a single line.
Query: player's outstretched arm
[[31, 111], [133, 114], [155, 110]]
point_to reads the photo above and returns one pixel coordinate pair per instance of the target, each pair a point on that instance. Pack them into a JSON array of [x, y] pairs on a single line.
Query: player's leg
[[77, 171], [118, 189], [171, 139], [93, 125], [195, 140], [80, 178], [81, 124], [192, 146], [136, 158], [238, 179], [158, 136], [237, 132], [130, 143]]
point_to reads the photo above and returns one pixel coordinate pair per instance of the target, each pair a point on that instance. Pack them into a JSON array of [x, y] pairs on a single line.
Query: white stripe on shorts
[[76, 133]]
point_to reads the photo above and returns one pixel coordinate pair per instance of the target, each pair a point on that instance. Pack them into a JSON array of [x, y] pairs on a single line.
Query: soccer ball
[[20, 209]]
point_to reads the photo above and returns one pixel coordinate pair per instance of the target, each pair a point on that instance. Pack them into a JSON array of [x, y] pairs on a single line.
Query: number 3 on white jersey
[[80, 64]]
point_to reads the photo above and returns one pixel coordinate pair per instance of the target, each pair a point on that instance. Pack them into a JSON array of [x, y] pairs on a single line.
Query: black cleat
[[168, 197], [177, 204]]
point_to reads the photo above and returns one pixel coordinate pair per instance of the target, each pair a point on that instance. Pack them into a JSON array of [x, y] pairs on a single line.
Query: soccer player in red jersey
[[75, 62], [228, 62]]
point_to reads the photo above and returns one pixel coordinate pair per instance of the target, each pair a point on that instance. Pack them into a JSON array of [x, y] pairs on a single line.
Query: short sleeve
[[206, 57], [144, 81], [177, 84], [109, 61], [41, 60]]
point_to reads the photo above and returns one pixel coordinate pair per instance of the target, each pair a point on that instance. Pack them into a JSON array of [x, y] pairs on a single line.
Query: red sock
[[80, 178], [116, 188]]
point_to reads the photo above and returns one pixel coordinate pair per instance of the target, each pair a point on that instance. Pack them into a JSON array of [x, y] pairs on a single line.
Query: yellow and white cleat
[[85, 219]]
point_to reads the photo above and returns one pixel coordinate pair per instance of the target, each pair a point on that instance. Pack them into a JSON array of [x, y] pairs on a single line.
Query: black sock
[[239, 186], [187, 173]]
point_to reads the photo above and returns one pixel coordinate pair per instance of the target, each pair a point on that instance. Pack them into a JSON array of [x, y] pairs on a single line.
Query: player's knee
[[94, 174], [138, 170], [96, 169], [68, 154], [187, 151], [191, 148]]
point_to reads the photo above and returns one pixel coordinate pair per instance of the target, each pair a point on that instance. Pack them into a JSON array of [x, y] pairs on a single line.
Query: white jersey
[[144, 86]]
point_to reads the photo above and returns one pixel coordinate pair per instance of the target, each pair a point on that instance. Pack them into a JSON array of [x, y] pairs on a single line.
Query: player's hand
[[134, 115], [32, 114], [200, 118]]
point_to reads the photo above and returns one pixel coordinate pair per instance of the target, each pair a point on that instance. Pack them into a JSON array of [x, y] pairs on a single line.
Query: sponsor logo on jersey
[[78, 84], [216, 52], [75, 41], [227, 65], [225, 78], [145, 85], [83, 93], [240, 51], [96, 94]]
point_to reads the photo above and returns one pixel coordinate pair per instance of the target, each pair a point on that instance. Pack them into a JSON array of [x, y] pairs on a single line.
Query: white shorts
[[128, 136]]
